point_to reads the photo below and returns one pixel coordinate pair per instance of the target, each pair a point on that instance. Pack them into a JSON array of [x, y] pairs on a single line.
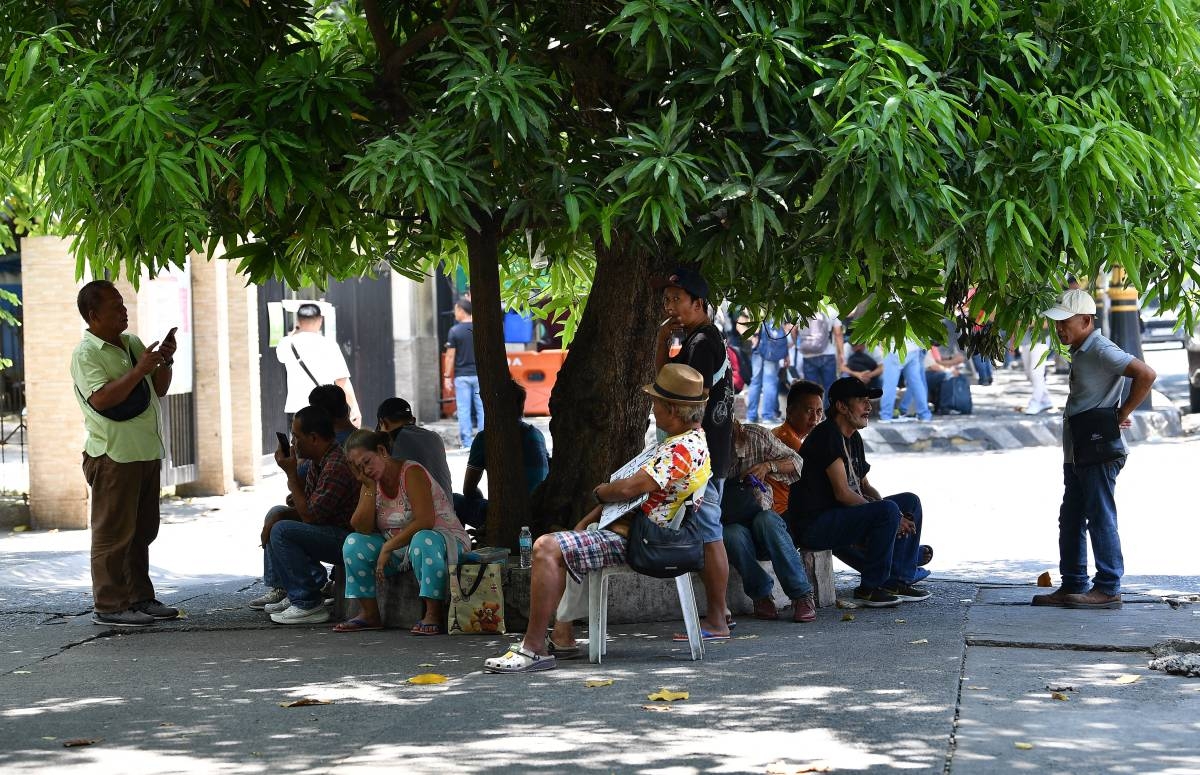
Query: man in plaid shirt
[[310, 530], [752, 528]]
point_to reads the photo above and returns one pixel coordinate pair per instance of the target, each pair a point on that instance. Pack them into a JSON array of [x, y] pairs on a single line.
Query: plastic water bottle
[[526, 544]]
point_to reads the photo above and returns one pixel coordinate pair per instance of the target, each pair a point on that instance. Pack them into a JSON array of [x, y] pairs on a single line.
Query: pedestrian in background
[[458, 366], [823, 348], [118, 381], [312, 359], [1098, 371], [767, 356]]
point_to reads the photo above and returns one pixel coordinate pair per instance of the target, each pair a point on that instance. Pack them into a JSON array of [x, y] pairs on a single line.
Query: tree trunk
[[598, 413], [508, 500]]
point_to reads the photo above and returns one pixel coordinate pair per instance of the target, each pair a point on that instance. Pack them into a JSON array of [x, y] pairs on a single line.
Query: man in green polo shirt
[[118, 381]]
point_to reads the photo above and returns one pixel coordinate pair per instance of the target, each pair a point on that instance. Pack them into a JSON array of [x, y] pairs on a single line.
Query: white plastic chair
[[598, 614]]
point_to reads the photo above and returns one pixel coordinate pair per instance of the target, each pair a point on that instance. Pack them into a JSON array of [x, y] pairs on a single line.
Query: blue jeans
[[766, 537], [764, 389], [270, 577], [468, 402], [295, 554], [864, 537], [983, 369], [708, 516], [821, 369], [1089, 508], [914, 380]]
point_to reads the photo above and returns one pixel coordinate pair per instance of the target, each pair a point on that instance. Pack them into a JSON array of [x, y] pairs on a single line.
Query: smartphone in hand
[[284, 446], [171, 334]]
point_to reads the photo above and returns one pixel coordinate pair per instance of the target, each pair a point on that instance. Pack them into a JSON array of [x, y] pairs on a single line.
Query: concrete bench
[[633, 598]]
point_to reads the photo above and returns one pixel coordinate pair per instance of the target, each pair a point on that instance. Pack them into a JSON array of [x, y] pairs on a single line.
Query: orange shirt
[[780, 490]]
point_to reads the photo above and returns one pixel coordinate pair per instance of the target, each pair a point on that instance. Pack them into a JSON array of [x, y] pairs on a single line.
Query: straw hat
[[678, 384]]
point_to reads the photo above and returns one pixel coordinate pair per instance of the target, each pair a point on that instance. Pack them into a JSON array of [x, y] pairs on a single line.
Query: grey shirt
[[411, 442], [1097, 379]]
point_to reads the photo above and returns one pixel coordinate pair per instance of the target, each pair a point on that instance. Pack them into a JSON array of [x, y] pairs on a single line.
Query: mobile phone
[[171, 334], [284, 446]]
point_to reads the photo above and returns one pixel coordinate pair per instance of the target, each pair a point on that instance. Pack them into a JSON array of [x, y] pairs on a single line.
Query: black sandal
[[563, 652], [924, 555]]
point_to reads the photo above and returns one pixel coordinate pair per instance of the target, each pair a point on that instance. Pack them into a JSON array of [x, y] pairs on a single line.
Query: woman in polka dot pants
[[403, 518]]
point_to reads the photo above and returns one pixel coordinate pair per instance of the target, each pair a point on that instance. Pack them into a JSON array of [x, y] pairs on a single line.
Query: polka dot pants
[[427, 550]]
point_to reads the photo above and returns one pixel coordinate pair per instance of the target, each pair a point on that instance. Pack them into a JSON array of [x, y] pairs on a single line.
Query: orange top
[[791, 439]]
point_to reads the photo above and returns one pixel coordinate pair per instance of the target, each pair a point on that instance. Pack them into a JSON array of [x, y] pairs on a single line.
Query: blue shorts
[[708, 516]]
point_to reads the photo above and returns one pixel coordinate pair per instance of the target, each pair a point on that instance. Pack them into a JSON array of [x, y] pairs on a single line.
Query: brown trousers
[[124, 524]]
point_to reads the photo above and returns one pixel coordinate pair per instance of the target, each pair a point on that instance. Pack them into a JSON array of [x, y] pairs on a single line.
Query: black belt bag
[[664, 552], [1096, 436]]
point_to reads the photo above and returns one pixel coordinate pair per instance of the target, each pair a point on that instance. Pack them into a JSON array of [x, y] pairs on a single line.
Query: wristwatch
[[772, 467]]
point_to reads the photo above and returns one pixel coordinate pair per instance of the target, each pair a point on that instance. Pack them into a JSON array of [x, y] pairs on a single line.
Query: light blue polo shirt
[[1097, 379], [94, 364]]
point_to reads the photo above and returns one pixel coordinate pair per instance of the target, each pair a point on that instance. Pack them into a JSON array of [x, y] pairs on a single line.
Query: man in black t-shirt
[[458, 366], [701, 346], [833, 506]]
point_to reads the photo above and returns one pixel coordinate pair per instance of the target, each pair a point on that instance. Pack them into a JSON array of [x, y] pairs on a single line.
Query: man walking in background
[[311, 360], [458, 366]]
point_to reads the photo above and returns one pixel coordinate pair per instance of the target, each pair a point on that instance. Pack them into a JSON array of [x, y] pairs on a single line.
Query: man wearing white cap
[[1093, 454]]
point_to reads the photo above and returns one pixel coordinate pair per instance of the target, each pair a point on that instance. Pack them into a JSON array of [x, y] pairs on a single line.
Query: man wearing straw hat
[[671, 473]]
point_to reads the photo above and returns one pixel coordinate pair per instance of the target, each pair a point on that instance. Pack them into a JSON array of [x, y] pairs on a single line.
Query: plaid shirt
[[754, 444], [331, 489]]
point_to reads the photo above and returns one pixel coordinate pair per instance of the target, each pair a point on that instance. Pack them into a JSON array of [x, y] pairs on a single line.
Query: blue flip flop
[[704, 635]]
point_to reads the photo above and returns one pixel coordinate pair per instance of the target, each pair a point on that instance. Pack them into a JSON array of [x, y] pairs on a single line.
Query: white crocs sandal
[[518, 660]]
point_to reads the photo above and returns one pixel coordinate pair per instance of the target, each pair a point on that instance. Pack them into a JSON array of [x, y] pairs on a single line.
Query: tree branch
[[419, 40], [379, 30]]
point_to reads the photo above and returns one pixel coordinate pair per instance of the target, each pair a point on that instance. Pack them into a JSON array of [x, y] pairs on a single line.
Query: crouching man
[[677, 469], [833, 506]]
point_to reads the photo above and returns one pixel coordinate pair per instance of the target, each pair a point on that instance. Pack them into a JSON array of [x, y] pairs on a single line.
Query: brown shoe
[[1057, 599], [803, 610], [764, 608], [1092, 599]]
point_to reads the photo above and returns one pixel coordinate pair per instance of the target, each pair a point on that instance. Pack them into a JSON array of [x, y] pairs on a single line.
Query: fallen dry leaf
[[920, 642], [425, 679], [899, 621], [594, 683], [744, 637], [978, 688], [1127, 678], [165, 724], [426, 664], [1044, 579], [304, 703], [847, 617], [1023, 746], [49, 738], [1059, 696], [21, 672], [22, 529], [656, 708], [841, 603], [1059, 688], [667, 695], [79, 742]]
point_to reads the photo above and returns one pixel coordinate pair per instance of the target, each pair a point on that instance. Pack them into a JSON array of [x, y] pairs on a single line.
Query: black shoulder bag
[[134, 404], [665, 552], [1096, 436], [303, 365]]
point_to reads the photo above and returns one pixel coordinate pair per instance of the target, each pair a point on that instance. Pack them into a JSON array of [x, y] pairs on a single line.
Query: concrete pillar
[[244, 386], [58, 495], [211, 379], [414, 330]]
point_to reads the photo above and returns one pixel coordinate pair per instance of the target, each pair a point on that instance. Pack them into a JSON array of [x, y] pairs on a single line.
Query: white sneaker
[[298, 615], [272, 596], [274, 608], [1038, 408]]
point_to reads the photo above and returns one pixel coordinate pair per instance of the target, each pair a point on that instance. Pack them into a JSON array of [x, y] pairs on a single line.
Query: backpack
[[955, 396], [772, 342], [815, 338], [732, 355]]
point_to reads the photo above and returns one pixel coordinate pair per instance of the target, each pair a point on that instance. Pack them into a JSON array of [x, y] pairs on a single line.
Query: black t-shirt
[[462, 339], [704, 351], [812, 494]]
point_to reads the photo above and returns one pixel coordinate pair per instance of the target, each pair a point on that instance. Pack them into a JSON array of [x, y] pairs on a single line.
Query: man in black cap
[[833, 506], [701, 346], [311, 360], [412, 442]]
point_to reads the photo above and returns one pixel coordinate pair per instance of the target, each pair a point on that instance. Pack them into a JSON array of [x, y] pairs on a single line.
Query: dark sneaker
[[126, 618], [908, 594], [156, 609], [803, 610], [875, 598]]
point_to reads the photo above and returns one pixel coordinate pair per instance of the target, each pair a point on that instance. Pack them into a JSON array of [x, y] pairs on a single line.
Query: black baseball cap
[[689, 279], [394, 409], [308, 311], [851, 387]]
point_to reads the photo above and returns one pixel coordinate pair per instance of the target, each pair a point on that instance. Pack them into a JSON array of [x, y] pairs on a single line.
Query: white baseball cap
[[1074, 302]]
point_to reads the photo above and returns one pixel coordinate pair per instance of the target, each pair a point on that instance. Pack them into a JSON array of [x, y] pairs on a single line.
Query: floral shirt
[[393, 515], [681, 467]]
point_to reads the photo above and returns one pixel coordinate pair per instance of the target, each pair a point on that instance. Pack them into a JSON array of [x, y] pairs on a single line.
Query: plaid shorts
[[591, 550]]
